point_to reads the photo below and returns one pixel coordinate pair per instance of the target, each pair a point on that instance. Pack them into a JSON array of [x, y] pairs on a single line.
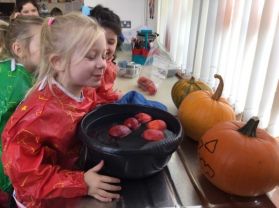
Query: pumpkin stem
[[249, 129], [192, 80], [220, 87]]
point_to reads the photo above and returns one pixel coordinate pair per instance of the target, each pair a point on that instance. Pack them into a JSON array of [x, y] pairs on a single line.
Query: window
[[238, 40]]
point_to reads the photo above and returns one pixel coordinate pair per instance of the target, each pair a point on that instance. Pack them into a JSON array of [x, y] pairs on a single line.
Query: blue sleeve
[[85, 10], [134, 97]]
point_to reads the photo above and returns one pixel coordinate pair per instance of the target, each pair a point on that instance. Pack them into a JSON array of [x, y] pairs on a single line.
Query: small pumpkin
[[201, 109], [240, 158], [185, 86]]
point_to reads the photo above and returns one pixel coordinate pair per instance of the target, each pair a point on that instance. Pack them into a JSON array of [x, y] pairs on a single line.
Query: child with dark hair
[[27, 7], [109, 21], [56, 12], [112, 26]]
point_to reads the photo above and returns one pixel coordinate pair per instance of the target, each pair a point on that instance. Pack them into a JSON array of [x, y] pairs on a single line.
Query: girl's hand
[[99, 186]]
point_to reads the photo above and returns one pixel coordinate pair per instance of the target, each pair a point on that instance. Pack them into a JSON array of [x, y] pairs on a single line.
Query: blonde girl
[[42, 129], [17, 72]]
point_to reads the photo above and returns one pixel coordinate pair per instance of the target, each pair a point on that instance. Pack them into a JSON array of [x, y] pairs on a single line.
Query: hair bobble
[[50, 21]]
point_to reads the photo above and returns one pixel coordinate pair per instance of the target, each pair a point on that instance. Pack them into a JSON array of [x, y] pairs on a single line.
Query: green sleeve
[[13, 87]]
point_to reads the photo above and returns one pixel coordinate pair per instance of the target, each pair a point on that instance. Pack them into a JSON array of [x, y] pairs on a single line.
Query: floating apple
[[119, 131], [157, 124], [153, 135], [143, 117], [132, 123]]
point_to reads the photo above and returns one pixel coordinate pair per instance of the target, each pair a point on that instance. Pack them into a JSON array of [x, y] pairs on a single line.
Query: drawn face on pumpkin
[[210, 148], [233, 156]]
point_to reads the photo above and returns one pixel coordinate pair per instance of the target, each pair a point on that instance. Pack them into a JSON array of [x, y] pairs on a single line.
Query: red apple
[[119, 131]]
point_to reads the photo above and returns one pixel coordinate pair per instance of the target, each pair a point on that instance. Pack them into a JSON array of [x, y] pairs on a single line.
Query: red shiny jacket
[[40, 148]]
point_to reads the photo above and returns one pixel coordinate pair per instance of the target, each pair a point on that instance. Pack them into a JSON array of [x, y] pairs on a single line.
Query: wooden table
[[164, 89]]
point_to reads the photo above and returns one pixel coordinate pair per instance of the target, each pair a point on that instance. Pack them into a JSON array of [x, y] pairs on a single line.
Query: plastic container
[[130, 157], [128, 69]]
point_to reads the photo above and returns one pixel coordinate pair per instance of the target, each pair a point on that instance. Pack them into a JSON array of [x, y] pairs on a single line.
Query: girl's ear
[[56, 62], [17, 49]]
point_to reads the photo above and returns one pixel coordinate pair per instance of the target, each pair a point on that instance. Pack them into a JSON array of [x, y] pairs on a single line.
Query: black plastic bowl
[[131, 157]]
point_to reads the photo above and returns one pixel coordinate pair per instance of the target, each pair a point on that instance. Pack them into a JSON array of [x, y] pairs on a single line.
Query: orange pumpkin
[[240, 158], [201, 109], [184, 86]]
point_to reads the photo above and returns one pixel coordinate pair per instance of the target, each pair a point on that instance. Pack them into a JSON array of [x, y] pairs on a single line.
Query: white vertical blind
[[201, 38], [213, 58], [209, 42], [260, 62], [271, 118], [274, 118], [237, 46], [234, 38], [184, 33], [193, 27]]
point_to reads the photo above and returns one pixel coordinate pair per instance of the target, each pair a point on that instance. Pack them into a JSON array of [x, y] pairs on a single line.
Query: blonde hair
[[4, 53], [63, 36], [20, 29]]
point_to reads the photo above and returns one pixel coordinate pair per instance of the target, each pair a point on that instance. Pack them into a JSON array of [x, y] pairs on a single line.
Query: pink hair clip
[[50, 21]]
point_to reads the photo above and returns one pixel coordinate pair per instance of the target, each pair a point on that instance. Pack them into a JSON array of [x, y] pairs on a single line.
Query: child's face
[[111, 38], [31, 57], [29, 9], [87, 72]]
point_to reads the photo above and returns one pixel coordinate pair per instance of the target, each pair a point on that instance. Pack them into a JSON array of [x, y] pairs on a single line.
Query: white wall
[[152, 23], [133, 10]]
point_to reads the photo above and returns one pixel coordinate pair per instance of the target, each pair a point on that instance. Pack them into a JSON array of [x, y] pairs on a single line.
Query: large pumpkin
[[240, 159], [184, 86], [200, 110]]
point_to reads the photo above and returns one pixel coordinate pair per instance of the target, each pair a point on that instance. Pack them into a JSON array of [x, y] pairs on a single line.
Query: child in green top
[[16, 73]]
